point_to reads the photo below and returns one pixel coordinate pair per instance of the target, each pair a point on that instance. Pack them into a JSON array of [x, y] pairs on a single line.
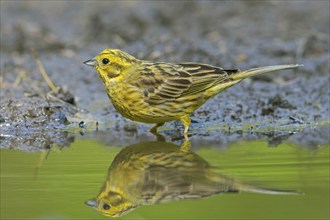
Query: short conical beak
[[91, 62], [92, 203]]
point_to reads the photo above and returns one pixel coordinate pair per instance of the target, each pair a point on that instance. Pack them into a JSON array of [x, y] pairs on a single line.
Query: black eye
[[105, 61], [106, 207]]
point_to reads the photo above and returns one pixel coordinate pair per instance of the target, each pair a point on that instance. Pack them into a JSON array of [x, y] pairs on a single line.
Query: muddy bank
[[239, 34]]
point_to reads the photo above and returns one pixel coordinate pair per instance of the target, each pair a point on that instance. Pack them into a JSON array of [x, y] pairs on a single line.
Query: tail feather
[[260, 70], [253, 189], [236, 76]]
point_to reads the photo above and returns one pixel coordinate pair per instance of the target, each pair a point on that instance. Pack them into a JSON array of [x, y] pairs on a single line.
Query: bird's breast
[[129, 102]]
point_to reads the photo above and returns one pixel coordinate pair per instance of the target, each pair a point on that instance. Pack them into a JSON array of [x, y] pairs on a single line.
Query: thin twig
[[51, 96], [18, 80], [43, 72]]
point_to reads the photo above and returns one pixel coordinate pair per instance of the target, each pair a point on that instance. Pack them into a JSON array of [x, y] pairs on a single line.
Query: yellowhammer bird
[[158, 92], [158, 172]]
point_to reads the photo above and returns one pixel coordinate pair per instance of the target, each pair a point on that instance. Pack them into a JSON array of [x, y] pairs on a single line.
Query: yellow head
[[111, 204], [111, 62]]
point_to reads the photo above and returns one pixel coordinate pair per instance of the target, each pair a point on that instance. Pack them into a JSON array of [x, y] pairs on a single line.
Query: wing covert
[[161, 82]]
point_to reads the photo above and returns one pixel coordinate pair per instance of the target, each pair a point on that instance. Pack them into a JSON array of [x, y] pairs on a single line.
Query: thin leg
[[185, 146], [185, 135], [154, 128], [186, 123]]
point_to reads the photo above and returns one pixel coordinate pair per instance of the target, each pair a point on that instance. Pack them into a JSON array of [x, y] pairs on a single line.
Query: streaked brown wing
[[162, 82], [204, 76]]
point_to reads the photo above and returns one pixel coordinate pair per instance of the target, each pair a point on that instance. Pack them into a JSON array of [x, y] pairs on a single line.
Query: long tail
[[253, 189], [229, 184], [260, 70], [240, 75]]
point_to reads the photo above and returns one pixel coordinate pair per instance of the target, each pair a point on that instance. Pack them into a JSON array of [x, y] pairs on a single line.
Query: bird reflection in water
[[158, 172]]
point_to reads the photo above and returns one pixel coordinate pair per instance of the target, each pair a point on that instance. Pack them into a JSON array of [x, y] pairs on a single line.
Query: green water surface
[[56, 184]]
